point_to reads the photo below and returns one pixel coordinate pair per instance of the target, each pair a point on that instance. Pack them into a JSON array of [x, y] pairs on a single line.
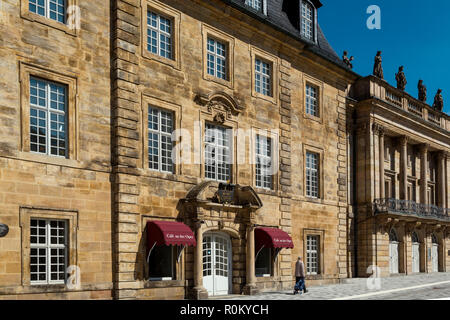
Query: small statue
[[438, 101], [422, 91], [401, 79], [347, 60], [377, 68]]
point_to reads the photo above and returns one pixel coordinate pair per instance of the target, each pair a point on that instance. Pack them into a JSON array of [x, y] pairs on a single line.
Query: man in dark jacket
[[300, 274]]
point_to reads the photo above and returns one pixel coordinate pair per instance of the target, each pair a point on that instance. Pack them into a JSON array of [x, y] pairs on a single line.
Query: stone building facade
[[273, 137], [55, 155], [401, 180]]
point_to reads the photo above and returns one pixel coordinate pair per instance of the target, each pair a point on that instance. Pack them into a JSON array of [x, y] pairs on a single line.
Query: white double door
[[216, 263], [435, 257], [393, 257], [415, 255]]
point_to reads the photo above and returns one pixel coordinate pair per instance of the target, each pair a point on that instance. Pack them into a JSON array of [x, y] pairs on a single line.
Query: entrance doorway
[[415, 253], [434, 254], [217, 272], [393, 252]]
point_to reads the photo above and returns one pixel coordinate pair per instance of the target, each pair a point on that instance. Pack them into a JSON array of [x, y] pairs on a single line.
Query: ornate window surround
[[25, 13], [177, 116], [307, 80], [210, 32], [169, 13], [320, 153], [256, 53], [25, 216], [25, 72], [321, 234]]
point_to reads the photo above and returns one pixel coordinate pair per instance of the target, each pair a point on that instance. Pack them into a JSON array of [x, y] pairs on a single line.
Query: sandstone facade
[[107, 193]]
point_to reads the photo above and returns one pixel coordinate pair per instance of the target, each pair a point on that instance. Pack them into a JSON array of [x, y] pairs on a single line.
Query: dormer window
[[258, 5], [307, 25]]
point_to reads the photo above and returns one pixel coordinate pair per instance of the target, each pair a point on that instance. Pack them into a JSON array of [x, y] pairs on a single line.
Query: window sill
[[163, 283], [33, 17], [261, 96], [173, 63], [226, 83], [312, 118], [269, 192]]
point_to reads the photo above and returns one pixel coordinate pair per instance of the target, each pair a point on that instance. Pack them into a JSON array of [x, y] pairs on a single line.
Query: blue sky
[[415, 34]]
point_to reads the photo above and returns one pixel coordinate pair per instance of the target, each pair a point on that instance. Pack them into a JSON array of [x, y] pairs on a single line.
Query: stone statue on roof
[[377, 68], [401, 79], [422, 91], [438, 104], [347, 60]]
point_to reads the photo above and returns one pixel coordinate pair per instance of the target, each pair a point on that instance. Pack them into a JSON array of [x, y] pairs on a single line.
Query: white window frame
[[312, 175], [48, 246], [312, 100], [258, 5], [48, 112], [263, 156], [47, 10], [159, 33], [307, 20], [226, 149], [160, 134], [312, 247], [263, 85], [216, 57]]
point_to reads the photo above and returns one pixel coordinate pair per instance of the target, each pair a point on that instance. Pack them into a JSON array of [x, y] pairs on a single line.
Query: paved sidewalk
[[423, 286]]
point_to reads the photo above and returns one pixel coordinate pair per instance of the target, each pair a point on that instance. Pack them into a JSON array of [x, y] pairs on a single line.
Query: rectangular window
[[48, 251], [162, 263], [255, 4], [312, 254], [53, 9], [312, 175], [48, 121], [263, 263], [217, 153], [263, 79], [263, 162], [216, 59], [312, 107], [307, 25], [160, 127], [159, 35]]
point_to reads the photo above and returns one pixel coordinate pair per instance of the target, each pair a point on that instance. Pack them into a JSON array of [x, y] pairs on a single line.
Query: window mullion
[[47, 249], [47, 122], [159, 140]]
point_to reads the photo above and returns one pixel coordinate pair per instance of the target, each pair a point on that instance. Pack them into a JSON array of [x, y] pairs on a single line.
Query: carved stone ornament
[[219, 117], [347, 60], [377, 67], [422, 91], [220, 101], [438, 104], [401, 79]]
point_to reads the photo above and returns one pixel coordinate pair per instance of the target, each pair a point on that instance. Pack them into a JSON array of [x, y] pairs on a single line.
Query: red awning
[[272, 238], [169, 233]]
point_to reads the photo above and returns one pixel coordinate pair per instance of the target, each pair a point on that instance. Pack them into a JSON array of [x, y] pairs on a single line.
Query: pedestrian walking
[[300, 276]]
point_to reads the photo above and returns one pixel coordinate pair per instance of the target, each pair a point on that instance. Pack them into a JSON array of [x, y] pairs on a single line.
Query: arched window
[[307, 20], [434, 239], [393, 236], [414, 237]]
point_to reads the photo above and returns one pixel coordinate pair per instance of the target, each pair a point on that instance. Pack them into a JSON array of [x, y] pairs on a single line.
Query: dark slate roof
[[283, 16]]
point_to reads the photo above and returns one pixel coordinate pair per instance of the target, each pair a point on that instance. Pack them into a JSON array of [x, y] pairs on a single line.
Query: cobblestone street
[[413, 287]]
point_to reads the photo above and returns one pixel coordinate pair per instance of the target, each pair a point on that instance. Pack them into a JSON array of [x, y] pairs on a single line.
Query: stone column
[[423, 173], [381, 144], [404, 168], [441, 180], [250, 287], [198, 292]]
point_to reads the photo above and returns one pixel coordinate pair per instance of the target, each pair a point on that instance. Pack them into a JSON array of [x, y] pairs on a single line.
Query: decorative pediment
[[209, 192], [219, 104]]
